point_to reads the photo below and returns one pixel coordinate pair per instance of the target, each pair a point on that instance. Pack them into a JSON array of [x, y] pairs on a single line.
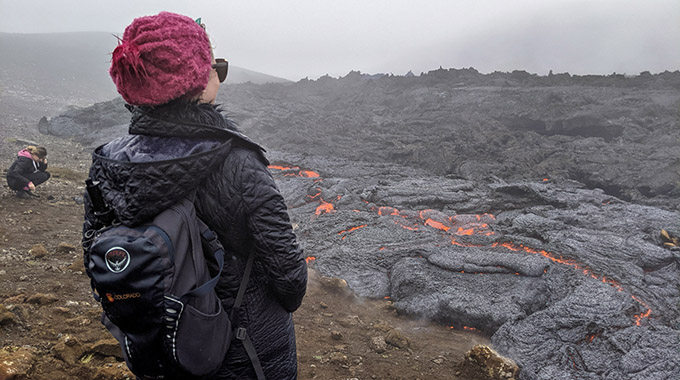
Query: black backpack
[[157, 294]]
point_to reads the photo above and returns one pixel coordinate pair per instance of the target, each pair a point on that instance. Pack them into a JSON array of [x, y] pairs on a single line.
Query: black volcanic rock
[[89, 125], [617, 134], [526, 208], [614, 133]]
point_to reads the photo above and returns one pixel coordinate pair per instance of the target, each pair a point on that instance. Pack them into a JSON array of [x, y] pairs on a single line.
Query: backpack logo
[[122, 297], [117, 259]]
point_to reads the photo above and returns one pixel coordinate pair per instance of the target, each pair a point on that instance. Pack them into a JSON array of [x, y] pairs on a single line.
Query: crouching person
[[28, 171]]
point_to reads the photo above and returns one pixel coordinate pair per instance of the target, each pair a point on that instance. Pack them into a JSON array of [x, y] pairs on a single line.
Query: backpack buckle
[[241, 333]]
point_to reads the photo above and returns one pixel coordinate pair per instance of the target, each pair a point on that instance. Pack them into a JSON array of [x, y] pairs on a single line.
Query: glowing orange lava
[[410, 228], [466, 328], [591, 337], [386, 210], [462, 224], [350, 230], [462, 231], [300, 172], [639, 317], [324, 208], [438, 225], [279, 167]]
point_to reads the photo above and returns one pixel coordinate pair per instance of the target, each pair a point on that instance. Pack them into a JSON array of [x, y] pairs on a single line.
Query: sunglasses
[[222, 67]]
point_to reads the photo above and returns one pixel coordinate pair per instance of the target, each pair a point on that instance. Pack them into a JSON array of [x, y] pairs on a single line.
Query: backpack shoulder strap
[[242, 288], [241, 333]]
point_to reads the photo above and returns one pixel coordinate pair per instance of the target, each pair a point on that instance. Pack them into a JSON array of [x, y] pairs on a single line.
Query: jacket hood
[[24, 153], [162, 161]]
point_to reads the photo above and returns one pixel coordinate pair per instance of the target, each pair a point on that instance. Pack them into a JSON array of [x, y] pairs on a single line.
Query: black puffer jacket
[[178, 148], [20, 169]]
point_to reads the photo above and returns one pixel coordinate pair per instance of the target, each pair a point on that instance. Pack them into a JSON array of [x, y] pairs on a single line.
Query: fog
[[311, 38]]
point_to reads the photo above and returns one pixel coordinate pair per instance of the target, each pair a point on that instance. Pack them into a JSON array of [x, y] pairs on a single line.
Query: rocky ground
[[49, 322]]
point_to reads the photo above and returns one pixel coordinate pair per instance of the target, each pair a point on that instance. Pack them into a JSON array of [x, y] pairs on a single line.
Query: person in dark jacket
[[28, 171], [180, 143]]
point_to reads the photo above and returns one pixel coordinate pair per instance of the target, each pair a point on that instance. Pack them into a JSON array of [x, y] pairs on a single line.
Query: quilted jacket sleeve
[[275, 243]]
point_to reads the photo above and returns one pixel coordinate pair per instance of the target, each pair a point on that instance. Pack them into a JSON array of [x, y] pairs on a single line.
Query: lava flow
[[551, 256], [455, 226], [324, 207], [295, 171], [460, 225], [586, 271], [467, 225]]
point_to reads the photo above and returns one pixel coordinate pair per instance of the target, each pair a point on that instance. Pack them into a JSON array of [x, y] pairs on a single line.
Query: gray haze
[[310, 38]]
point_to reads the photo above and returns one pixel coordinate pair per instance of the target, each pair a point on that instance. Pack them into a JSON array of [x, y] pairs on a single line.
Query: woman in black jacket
[[178, 143], [28, 171]]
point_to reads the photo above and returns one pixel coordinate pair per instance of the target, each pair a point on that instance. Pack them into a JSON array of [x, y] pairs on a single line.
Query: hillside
[[73, 67]]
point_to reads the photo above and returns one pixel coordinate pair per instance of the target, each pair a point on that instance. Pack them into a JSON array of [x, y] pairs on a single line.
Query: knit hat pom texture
[[161, 58]]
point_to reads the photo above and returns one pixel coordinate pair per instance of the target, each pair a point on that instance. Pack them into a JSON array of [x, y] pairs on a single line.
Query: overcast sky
[[310, 38]]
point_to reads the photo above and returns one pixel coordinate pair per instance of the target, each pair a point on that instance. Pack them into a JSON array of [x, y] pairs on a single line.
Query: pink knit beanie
[[161, 58]]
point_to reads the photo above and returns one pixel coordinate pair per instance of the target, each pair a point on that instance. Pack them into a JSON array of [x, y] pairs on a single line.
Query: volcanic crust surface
[[527, 208]]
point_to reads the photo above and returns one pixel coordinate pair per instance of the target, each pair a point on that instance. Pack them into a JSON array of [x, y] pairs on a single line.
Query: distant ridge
[[241, 75], [73, 66]]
